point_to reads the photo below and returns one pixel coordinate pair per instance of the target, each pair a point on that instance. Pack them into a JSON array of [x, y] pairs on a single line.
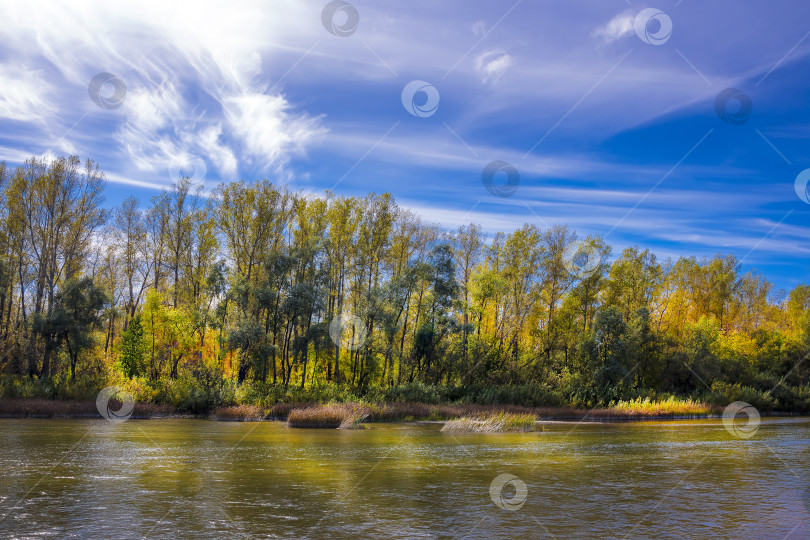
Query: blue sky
[[607, 113]]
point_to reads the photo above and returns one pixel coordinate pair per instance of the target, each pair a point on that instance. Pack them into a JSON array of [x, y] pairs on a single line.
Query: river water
[[205, 479]]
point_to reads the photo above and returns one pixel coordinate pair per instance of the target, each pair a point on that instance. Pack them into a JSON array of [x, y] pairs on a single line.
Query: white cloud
[[269, 131], [152, 110], [194, 78], [117, 179], [25, 95], [619, 26], [220, 155], [492, 65]]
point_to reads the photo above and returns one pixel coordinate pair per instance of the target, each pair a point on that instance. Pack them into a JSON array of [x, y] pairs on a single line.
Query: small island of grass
[[497, 423], [340, 416]]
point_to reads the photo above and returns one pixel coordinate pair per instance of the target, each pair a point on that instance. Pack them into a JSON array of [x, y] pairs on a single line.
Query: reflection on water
[[188, 478]]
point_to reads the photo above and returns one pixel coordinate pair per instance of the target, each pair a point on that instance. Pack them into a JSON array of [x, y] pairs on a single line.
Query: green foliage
[[59, 387], [70, 323], [133, 349], [699, 350], [190, 395], [529, 395], [725, 393], [792, 398]]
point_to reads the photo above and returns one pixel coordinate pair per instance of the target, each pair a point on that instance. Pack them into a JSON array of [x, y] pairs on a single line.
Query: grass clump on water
[[497, 423], [239, 413], [669, 407], [334, 416]]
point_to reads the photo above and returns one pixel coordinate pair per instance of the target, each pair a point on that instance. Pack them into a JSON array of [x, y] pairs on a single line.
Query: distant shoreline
[[377, 413]]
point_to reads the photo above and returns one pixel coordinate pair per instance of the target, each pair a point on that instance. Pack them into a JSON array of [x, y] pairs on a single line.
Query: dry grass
[[343, 416], [644, 408], [354, 420], [280, 411], [408, 412], [497, 423], [239, 413]]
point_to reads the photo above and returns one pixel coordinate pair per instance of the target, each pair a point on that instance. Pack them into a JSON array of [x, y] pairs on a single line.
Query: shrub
[[133, 349], [724, 393]]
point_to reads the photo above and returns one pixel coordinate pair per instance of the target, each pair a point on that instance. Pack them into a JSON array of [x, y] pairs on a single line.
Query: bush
[[792, 398], [724, 393], [526, 395], [58, 387], [193, 395], [406, 393]]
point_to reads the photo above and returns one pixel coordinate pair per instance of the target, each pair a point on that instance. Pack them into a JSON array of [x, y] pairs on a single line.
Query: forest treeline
[[252, 290]]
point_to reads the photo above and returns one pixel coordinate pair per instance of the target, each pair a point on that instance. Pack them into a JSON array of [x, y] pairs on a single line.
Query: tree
[[557, 280], [181, 228], [169, 333], [132, 355], [467, 253], [613, 361], [130, 237], [442, 314], [585, 293], [70, 323], [343, 222], [633, 282], [520, 265], [700, 345], [55, 207]]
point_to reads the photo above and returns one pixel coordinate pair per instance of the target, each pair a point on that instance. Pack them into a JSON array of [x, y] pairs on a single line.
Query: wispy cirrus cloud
[[616, 28], [194, 82], [26, 95]]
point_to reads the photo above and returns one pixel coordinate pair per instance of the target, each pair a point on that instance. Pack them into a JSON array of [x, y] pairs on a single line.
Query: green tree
[[132, 355], [633, 282], [76, 312]]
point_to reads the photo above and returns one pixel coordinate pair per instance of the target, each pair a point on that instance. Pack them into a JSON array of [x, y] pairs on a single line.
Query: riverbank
[[371, 412], [47, 408]]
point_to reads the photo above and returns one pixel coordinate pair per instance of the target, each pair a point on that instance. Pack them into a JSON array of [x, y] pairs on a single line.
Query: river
[[199, 478]]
